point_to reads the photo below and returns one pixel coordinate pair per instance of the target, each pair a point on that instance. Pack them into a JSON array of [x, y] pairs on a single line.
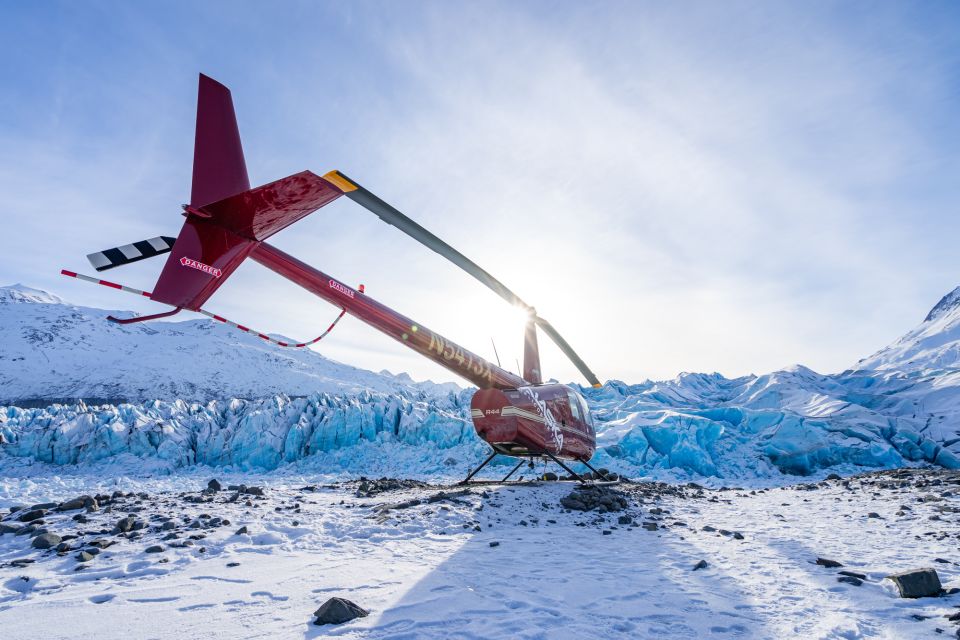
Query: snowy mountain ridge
[[933, 346], [55, 351]]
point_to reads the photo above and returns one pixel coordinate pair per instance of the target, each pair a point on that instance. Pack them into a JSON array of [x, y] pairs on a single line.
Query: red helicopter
[[227, 222]]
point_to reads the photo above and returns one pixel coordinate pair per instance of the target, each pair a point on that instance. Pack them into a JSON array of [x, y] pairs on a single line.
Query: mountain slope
[[53, 350], [933, 346]]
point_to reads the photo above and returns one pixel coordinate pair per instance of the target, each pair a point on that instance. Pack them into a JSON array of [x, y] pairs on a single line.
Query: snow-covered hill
[[898, 407], [53, 350], [932, 347]]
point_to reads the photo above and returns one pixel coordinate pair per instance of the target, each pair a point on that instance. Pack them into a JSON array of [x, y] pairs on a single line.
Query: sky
[[686, 186]]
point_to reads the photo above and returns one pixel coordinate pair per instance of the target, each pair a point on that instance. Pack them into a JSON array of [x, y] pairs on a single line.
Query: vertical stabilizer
[[219, 169]]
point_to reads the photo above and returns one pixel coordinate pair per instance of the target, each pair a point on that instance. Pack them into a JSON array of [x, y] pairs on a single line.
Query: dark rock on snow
[[33, 514], [700, 565], [45, 541], [338, 611], [917, 583], [829, 564]]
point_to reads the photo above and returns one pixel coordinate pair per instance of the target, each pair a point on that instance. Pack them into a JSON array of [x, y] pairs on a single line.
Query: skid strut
[[493, 455]]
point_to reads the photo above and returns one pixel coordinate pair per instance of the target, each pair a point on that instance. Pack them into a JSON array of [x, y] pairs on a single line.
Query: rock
[[44, 506], [84, 556], [73, 505], [99, 543], [550, 477], [338, 611], [853, 574], [917, 583], [737, 535], [8, 528], [168, 525], [254, 491], [850, 580], [494, 544], [126, 524], [31, 515], [709, 529], [829, 564], [27, 530], [833, 476], [233, 564], [45, 541], [700, 565], [650, 526], [154, 549], [17, 507], [607, 532], [242, 531], [590, 497], [873, 514], [63, 547], [214, 485], [450, 462], [624, 520]]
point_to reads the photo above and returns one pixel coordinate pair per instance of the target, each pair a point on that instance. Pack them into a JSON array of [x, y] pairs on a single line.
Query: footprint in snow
[[219, 579], [103, 597]]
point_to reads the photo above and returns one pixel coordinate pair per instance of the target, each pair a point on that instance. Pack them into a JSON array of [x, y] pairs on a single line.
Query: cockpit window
[[586, 410], [574, 404]]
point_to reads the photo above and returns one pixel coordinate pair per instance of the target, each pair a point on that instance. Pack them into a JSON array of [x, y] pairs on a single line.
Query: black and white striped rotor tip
[[119, 256]]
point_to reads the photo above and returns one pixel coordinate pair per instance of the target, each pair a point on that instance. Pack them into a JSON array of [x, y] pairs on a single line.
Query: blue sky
[[686, 186]]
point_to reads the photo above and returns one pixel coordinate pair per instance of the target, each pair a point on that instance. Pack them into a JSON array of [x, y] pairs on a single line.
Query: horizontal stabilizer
[[119, 256]]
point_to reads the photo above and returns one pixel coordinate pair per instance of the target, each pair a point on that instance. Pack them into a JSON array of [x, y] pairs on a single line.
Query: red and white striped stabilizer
[[146, 294]]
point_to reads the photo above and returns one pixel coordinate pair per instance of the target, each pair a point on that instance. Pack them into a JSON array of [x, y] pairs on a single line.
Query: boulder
[[700, 565], [214, 485], [72, 505], [154, 549], [45, 541], [338, 611], [33, 514], [84, 556], [829, 564], [125, 524], [917, 583]]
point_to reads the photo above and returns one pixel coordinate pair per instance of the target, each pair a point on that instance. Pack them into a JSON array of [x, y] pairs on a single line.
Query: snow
[[427, 572]]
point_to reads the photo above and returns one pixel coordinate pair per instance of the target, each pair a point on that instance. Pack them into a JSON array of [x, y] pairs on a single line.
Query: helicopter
[[227, 222]]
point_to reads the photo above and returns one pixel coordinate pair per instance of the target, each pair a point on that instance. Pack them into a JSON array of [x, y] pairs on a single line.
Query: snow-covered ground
[[430, 570]]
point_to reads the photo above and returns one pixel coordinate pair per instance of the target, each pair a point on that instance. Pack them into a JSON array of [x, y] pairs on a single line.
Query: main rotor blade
[[394, 217], [568, 350]]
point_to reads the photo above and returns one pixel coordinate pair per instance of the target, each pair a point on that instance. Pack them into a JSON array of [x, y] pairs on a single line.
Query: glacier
[[899, 407]]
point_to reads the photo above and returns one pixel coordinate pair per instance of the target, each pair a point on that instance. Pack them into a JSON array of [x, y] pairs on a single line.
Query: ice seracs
[[898, 407]]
